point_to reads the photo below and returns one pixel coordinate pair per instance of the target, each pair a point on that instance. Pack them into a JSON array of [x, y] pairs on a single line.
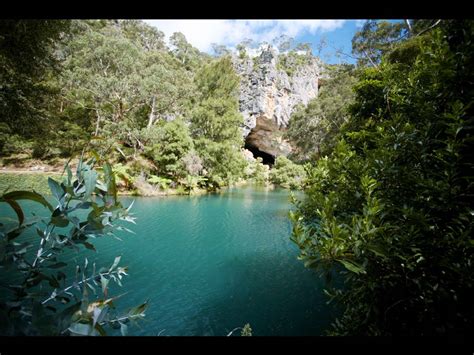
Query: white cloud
[[201, 33]]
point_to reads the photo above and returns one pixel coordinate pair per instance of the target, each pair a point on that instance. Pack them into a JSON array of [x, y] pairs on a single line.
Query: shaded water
[[212, 263]]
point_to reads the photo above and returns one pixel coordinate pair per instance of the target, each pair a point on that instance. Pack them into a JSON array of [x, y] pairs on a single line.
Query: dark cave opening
[[267, 159]]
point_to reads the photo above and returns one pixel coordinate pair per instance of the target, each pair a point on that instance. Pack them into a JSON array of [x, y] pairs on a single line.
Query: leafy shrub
[[124, 174], [171, 144], [246, 331], [257, 171], [161, 182], [291, 61], [15, 144], [223, 162], [44, 300], [287, 174], [5, 132], [390, 209], [40, 150], [191, 183]]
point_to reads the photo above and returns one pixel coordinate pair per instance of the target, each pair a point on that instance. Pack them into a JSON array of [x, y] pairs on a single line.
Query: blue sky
[[202, 33], [338, 39]]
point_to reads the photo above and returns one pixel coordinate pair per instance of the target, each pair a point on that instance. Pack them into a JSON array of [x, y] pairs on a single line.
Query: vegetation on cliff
[[156, 112]]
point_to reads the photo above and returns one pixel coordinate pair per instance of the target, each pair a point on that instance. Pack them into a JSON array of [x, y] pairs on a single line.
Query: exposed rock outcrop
[[268, 96]]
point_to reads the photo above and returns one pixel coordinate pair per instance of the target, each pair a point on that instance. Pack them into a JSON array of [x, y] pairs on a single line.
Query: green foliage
[[312, 129], [291, 61], [26, 62], [287, 174], [246, 331], [242, 51], [188, 56], [216, 121], [35, 181], [258, 172], [375, 39], [39, 150], [255, 63], [40, 298], [223, 162], [124, 174], [170, 144], [15, 144], [162, 182], [106, 80], [147, 37], [5, 132], [192, 182], [127, 81], [218, 79], [390, 209]]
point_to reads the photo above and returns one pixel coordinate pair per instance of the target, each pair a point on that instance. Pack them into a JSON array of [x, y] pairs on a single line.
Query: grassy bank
[[38, 181], [26, 181]]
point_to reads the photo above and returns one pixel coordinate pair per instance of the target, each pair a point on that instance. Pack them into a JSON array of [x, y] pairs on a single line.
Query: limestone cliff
[[268, 96]]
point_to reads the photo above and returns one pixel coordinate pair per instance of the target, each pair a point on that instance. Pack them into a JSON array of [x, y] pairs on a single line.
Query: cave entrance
[[267, 159]]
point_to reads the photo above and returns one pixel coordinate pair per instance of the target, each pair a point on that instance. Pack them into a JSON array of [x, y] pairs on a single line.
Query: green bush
[[390, 209], [257, 171], [171, 145], [223, 162], [287, 174], [40, 150], [291, 61], [15, 144]]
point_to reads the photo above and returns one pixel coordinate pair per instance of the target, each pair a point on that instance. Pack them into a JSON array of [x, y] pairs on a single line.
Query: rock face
[[268, 96]]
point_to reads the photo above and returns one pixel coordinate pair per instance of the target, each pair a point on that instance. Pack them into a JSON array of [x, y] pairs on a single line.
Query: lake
[[208, 264]]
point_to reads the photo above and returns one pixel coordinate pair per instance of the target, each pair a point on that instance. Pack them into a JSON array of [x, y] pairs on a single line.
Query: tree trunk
[[151, 118], [370, 59]]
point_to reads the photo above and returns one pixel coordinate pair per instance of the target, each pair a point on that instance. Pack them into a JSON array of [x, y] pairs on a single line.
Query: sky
[[202, 33]]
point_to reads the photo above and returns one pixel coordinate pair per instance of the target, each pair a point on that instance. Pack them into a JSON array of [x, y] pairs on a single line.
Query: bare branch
[[429, 28], [407, 22], [233, 330], [370, 59]]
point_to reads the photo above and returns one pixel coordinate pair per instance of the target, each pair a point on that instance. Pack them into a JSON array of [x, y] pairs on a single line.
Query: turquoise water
[[212, 263]]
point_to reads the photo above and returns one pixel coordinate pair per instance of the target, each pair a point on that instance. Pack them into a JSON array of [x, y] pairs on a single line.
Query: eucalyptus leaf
[[27, 195], [56, 189]]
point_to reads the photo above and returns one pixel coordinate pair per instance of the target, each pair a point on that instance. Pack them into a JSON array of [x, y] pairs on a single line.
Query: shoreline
[[42, 187]]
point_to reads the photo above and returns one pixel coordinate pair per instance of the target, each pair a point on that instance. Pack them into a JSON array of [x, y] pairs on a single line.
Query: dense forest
[[390, 199], [382, 156], [166, 117]]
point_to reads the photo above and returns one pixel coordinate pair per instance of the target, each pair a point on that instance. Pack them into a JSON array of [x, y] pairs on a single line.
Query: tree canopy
[[389, 209]]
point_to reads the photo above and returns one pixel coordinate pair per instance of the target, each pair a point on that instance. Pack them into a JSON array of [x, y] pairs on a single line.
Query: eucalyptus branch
[[122, 318], [54, 294], [429, 28], [233, 330]]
